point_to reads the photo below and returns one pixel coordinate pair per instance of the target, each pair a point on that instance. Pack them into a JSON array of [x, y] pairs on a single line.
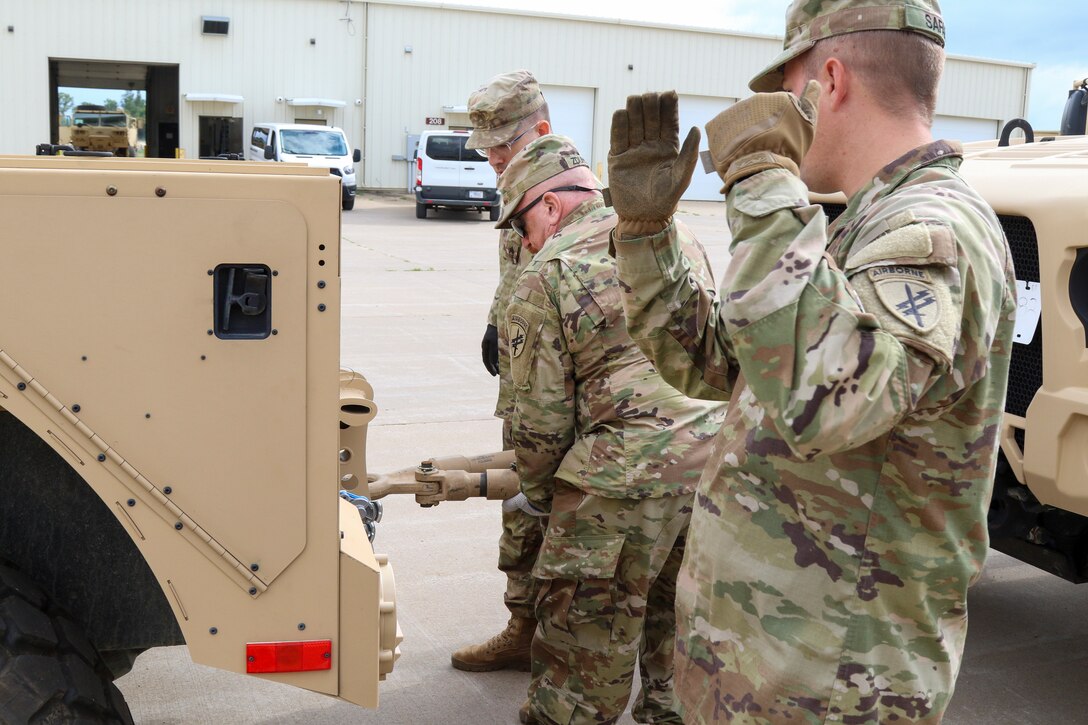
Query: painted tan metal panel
[[246, 439]]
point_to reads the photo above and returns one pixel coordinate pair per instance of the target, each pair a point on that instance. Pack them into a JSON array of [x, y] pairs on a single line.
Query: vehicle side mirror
[[269, 153], [357, 156]]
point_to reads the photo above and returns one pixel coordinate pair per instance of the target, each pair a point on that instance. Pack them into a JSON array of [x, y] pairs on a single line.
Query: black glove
[[489, 347]]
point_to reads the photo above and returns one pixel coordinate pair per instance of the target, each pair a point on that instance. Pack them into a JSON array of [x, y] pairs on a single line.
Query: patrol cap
[[496, 108], [542, 159], [808, 21]]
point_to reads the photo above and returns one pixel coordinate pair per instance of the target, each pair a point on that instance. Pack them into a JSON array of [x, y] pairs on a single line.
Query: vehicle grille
[[1026, 367], [1026, 370]]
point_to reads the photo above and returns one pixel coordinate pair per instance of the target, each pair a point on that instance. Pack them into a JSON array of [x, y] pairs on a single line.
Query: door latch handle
[[244, 289]]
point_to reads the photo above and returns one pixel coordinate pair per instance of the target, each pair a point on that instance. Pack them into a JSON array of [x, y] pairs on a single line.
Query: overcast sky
[[1049, 34]]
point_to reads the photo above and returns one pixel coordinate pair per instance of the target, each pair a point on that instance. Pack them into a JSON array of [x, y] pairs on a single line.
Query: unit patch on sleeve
[[518, 331], [909, 294]]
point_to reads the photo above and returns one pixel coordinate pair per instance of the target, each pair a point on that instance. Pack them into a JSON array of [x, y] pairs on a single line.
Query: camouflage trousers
[[609, 568], [519, 543]]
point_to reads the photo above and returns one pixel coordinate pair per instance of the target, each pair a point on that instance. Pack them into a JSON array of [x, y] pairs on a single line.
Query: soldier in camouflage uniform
[[603, 444], [843, 516], [507, 113]]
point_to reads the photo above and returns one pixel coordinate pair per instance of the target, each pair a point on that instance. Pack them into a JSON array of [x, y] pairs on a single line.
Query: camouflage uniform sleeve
[[511, 263], [672, 311], [827, 371], [542, 372]]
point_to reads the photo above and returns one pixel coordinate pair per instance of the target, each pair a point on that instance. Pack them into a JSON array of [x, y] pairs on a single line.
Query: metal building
[[386, 70]]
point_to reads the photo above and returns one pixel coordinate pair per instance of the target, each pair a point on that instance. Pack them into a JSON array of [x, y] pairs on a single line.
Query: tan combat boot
[[509, 649]]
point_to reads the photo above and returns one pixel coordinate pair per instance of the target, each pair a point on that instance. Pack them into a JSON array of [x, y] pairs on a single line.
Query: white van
[[320, 146], [451, 176]]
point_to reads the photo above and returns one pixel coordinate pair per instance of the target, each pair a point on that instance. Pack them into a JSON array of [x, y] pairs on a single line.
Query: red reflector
[[288, 656]]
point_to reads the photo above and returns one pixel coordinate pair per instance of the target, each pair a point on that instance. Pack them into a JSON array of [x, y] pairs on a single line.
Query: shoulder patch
[[913, 301], [518, 332]]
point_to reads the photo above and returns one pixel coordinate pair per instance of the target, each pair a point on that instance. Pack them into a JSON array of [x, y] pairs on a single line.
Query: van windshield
[[313, 143]]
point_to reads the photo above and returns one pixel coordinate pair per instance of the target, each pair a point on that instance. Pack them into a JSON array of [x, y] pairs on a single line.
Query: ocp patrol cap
[[497, 108], [542, 159], [809, 21]]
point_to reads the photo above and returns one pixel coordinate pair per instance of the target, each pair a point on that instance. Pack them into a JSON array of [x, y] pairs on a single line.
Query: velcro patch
[[911, 300], [911, 241]]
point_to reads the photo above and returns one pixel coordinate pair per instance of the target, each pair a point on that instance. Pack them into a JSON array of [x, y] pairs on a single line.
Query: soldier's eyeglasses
[[486, 153], [517, 221]]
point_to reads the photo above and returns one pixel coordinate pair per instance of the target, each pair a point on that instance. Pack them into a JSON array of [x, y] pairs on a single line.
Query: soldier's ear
[[553, 207], [836, 79], [543, 127]]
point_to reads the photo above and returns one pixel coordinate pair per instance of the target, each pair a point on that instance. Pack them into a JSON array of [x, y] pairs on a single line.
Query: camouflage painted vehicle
[[96, 129]]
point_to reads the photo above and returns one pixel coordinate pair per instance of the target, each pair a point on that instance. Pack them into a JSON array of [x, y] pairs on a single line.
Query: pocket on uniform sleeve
[[576, 605]]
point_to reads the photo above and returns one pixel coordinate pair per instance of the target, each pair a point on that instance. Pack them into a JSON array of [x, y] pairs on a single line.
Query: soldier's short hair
[[901, 70]]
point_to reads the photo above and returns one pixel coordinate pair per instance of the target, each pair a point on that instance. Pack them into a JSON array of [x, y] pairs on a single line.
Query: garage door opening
[[146, 92]]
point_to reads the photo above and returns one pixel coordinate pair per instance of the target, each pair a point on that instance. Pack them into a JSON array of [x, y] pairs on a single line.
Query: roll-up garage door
[[571, 109], [959, 128], [696, 111]]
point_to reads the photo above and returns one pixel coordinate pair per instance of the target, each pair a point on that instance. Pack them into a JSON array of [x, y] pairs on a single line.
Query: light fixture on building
[[313, 41], [214, 25], [358, 101], [407, 49]]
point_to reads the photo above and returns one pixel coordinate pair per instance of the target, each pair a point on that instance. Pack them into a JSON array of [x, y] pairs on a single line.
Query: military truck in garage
[[94, 128]]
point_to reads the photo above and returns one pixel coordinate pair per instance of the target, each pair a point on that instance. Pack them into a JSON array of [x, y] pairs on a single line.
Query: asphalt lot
[[415, 299]]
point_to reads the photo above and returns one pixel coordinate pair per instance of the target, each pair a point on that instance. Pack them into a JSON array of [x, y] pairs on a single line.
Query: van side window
[[445, 148], [259, 137], [468, 154]]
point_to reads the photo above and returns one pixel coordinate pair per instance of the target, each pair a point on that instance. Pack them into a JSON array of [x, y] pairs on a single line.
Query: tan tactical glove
[[647, 169], [765, 131]]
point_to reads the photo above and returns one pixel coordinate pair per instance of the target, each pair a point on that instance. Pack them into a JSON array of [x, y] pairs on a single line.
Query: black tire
[[421, 211], [49, 671], [347, 203], [493, 215]]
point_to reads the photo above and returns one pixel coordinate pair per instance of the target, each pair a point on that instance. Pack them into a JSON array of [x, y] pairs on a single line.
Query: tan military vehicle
[[175, 433], [96, 129]]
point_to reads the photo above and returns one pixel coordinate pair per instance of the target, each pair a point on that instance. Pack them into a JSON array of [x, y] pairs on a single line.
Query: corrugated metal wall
[[268, 55], [454, 52]]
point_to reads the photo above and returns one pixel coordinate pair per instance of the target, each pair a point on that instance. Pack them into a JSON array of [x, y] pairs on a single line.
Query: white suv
[[451, 176], [320, 146]]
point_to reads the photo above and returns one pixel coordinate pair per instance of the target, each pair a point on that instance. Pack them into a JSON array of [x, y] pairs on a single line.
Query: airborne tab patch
[[912, 301]]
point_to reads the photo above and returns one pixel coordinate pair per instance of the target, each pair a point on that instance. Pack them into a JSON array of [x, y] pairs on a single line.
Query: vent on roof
[[213, 25]]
